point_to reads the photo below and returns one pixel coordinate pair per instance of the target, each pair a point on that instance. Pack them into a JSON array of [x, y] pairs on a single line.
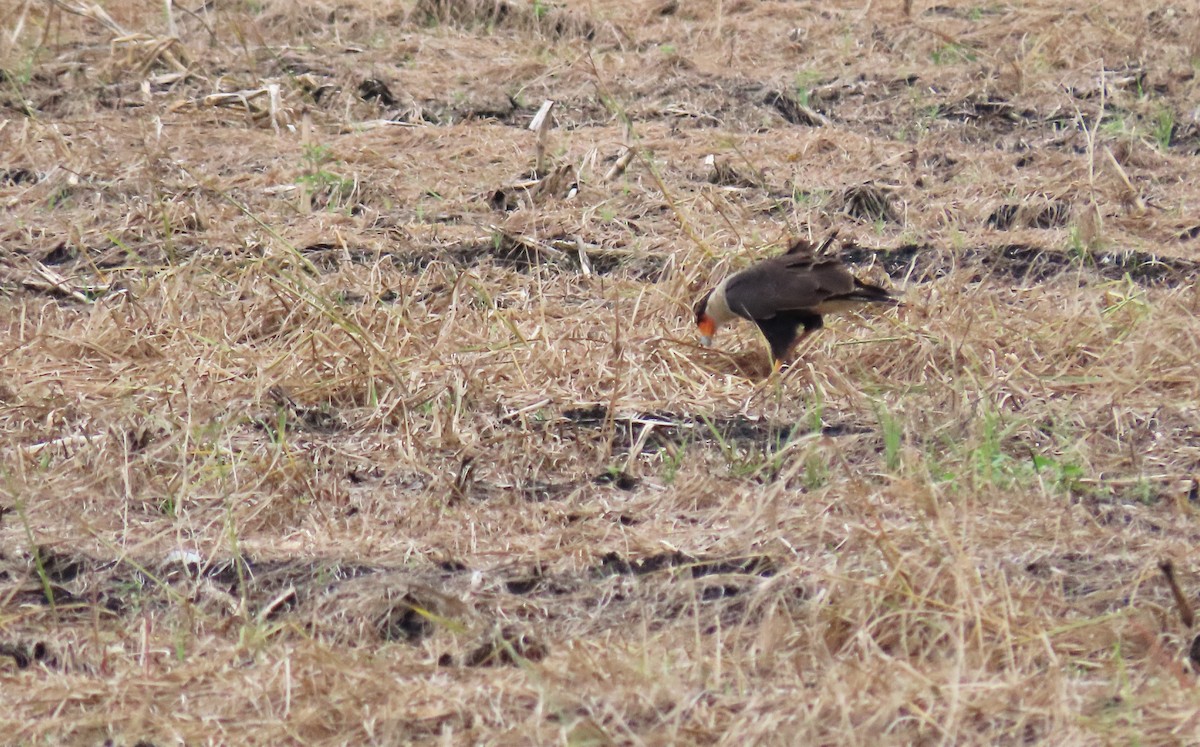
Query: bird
[[783, 294]]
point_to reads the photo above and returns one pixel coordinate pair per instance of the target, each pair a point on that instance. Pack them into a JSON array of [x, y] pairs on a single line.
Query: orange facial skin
[[707, 327]]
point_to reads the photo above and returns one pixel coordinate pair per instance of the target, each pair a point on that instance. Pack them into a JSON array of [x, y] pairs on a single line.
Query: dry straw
[[322, 431]]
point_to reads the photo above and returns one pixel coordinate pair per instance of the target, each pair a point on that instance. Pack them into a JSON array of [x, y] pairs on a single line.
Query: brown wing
[[787, 283]]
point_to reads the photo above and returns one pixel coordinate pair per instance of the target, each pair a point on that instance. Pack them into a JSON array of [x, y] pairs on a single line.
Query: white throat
[[718, 306]]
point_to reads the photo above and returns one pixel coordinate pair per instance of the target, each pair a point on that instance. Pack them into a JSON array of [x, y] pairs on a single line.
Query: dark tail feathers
[[871, 293]]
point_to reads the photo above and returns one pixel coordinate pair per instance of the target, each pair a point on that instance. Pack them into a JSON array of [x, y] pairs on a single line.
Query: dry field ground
[[329, 416]]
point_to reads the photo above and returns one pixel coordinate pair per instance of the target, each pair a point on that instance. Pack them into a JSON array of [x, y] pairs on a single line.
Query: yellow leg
[[791, 351]]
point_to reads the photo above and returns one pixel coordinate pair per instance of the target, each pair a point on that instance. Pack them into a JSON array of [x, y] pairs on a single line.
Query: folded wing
[[796, 283]]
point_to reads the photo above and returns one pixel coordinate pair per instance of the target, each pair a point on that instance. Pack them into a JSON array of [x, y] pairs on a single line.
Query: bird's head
[[705, 323]]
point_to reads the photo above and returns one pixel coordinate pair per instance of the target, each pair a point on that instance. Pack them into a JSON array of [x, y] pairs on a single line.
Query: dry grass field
[[338, 406]]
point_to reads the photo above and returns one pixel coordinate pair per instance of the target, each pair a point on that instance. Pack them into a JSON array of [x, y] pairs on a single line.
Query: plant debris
[[350, 385]]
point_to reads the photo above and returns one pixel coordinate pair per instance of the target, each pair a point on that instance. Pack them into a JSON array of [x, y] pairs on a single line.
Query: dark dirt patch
[[327, 257], [534, 189], [675, 429], [1123, 511], [538, 492], [509, 645], [49, 595], [60, 567], [291, 413], [966, 13], [85, 259], [405, 621], [24, 654], [1094, 582], [373, 89], [524, 256], [467, 487], [868, 202], [720, 591], [620, 479], [535, 491], [1186, 138], [522, 586], [60, 254], [993, 113], [1025, 263], [16, 176], [755, 565], [1043, 214], [794, 111], [264, 580], [490, 106], [724, 174], [369, 599]]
